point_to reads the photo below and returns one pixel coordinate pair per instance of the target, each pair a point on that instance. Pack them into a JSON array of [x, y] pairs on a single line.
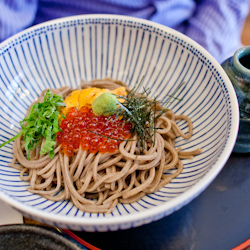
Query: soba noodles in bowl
[[110, 122]]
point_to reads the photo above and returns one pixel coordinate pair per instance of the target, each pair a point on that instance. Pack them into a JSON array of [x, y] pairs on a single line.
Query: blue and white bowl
[[65, 51]]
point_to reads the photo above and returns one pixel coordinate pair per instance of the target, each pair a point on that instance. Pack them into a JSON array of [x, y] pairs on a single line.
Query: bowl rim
[[162, 209]]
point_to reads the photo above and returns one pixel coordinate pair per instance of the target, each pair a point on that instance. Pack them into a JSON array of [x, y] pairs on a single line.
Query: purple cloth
[[214, 24]]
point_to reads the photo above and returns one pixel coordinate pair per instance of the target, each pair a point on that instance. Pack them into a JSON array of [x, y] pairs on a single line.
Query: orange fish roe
[[83, 128]]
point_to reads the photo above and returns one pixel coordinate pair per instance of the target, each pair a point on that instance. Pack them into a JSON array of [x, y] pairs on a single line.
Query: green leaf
[[12, 139], [41, 122], [47, 147], [56, 123]]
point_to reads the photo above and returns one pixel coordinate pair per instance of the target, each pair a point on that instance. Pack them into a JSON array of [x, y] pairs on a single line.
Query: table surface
[[218, 218]]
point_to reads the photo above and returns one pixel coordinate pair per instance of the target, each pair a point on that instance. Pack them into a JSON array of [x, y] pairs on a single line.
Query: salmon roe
[[83, 128]]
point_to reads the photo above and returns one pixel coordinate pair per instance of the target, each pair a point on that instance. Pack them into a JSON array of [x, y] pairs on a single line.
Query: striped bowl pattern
[[64, 51]]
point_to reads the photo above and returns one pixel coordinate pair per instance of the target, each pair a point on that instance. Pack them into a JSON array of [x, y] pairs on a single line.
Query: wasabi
[[105, 104]]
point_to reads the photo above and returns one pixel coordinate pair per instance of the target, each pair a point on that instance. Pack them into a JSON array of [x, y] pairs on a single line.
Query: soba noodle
[[96, 183]]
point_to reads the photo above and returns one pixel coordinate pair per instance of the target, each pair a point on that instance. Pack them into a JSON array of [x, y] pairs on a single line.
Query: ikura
[[94, 133]]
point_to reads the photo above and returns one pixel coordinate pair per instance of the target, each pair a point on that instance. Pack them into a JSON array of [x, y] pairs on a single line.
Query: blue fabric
[[214, 24]]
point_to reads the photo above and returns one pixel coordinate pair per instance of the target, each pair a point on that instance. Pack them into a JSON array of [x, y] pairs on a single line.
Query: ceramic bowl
[[65, 51], [29, 237], [238, 70]]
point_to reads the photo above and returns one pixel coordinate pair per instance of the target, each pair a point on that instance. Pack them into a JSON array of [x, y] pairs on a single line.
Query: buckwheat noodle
[[95, 183]]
